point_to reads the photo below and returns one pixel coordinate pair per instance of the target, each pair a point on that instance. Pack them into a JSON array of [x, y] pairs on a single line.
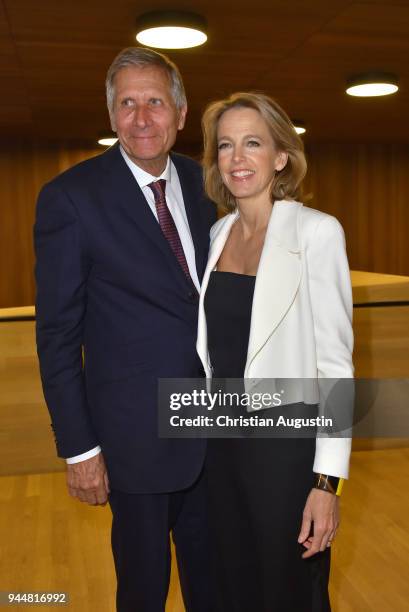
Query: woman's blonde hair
[[286, 183]]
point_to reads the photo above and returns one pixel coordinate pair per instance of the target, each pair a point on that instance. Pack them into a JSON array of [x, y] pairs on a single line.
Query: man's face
[[145, 116]]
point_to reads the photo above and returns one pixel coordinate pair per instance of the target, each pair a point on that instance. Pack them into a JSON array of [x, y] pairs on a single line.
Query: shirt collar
[[144, 178]]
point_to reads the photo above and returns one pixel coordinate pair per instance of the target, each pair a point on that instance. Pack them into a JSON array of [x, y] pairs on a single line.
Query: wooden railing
[[381, 327]]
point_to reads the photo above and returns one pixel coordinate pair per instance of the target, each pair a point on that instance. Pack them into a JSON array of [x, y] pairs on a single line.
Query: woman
[[275, 303]]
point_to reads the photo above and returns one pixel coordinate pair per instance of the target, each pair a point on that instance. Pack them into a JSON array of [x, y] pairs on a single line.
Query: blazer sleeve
[[331, 300], [61, 275]]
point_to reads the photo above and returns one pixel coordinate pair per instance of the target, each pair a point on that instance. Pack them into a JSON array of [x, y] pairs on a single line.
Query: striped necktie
[[168, 226]]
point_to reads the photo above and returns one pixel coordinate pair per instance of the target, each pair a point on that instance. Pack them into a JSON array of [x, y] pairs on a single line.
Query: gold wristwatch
[[332, 484]]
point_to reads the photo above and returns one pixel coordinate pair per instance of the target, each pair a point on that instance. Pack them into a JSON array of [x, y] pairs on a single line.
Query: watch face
[[328, 483]]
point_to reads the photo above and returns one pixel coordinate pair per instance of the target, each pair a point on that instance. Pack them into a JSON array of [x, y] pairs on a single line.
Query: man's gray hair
[[141, 57]]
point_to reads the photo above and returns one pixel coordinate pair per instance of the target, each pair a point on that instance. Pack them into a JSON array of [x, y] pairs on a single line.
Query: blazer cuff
[[332, 456]]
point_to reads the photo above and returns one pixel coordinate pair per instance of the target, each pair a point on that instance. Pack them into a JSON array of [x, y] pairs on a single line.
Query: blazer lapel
[[278, 276], [277, 282], [216, 247]]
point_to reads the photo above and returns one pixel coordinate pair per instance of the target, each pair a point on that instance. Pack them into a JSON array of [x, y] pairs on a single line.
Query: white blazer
[[301, 319]]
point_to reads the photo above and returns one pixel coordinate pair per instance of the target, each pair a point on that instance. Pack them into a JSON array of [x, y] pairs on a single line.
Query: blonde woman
[[275, 302]]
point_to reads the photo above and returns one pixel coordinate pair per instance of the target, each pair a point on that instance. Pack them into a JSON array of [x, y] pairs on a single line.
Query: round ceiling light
[[171, 30], [106, 140], [372, 85], [299, 127]]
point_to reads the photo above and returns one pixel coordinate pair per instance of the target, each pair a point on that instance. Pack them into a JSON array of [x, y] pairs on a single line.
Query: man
[[121, 243]]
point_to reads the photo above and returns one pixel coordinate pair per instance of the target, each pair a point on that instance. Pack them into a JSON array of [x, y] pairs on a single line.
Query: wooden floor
[[49, 542]]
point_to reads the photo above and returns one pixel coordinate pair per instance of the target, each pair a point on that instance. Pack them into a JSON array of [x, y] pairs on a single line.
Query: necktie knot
[[158, 189]]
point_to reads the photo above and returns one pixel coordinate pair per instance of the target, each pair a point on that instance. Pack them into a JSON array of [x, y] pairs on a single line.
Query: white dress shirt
[[176, 205]]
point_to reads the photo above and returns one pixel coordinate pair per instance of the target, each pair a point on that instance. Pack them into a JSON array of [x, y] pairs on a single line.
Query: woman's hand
[[321, 510]]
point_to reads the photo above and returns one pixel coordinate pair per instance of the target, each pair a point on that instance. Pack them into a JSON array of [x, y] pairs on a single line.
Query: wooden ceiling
[[54, 55]]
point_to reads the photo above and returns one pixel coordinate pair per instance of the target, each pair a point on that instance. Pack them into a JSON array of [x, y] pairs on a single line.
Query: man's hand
[[321, 510], [88, 480]]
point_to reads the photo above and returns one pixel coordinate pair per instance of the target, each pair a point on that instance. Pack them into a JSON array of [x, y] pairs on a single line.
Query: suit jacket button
[[192, 295]]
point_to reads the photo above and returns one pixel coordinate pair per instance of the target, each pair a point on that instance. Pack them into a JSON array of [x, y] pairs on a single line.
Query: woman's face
[[247, 156]]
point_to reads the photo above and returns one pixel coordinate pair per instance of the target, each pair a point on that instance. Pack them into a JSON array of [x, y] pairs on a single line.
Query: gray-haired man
[[121, 243]]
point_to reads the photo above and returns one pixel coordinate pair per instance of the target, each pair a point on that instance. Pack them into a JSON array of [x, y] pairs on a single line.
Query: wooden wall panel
[[24, 168], [365, 186]]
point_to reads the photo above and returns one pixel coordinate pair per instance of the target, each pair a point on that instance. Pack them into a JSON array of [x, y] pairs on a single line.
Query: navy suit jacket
[[114, 313]]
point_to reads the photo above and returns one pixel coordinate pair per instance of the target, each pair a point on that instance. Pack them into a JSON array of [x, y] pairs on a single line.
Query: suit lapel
[[121, 184], [278, 276]]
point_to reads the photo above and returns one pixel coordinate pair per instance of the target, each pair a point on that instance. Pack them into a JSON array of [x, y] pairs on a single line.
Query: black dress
[[257, 488]]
